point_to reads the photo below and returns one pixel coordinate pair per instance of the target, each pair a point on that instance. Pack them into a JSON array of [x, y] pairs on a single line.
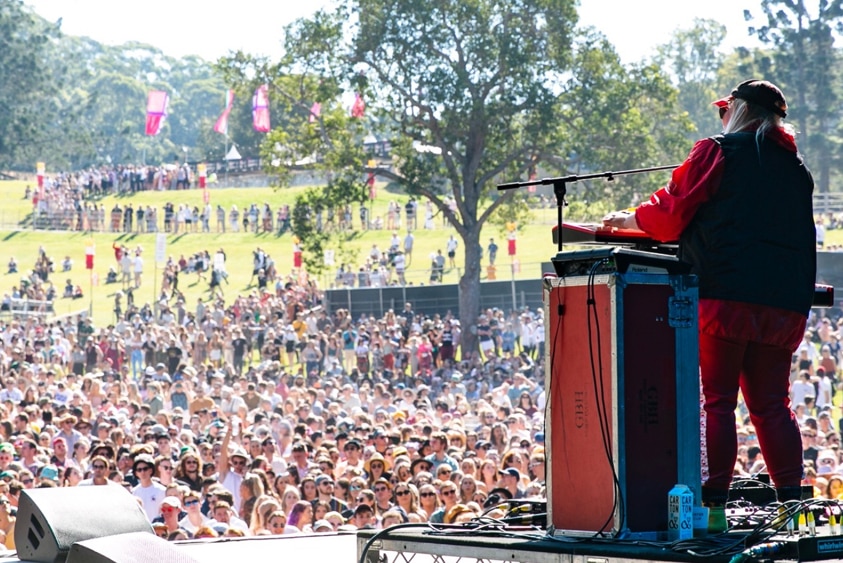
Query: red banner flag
[[359, 106], [156, 111], [221, 126], [260, 109]]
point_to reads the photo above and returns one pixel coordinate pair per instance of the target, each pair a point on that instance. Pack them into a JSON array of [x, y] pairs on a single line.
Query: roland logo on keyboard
[[644, 269]]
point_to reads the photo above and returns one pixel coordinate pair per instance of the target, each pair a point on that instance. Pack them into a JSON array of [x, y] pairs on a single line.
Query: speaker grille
[[51, 520], [127, 548]]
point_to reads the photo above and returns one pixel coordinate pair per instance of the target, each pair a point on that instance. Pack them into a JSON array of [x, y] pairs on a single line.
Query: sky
[[212, 29]]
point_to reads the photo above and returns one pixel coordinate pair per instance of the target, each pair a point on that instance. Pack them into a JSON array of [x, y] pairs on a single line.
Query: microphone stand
[[560, 188]]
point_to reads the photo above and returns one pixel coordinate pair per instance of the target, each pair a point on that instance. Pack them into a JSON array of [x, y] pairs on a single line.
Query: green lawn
[[534, 245]]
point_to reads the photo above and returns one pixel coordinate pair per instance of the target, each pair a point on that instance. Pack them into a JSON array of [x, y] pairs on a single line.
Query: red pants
[[762, 372]]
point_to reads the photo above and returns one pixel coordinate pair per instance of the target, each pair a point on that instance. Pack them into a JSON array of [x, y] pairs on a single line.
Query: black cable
[[384, 532], [599, 391], [727, 543], [549, 394]]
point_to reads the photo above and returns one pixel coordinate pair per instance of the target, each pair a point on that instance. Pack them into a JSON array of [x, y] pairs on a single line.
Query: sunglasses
[[27, 481], [401, 493], [278, 524], [361, 499], [722, 111], [142, 469], [98, 466], [381, 489], [165, 467], [191, 462], [427, 494], [237, 463], [448, 493], [193, 502], [355, 487]]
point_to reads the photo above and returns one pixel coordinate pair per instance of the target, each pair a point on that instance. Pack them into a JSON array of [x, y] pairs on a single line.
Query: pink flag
[[359, 106], [156, 111], [315, 111], [221, 126], [260, 109]]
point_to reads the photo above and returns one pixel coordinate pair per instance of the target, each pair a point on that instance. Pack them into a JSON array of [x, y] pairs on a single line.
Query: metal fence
[[828, 203], [433, 299], [40, 309]]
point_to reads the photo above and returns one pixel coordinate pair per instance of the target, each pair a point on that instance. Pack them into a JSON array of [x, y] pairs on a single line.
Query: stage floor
[[420, 546]]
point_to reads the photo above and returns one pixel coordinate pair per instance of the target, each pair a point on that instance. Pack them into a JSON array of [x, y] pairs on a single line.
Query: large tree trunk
[[470, 293]]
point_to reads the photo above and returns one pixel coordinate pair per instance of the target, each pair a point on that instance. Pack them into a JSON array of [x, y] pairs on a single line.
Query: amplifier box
[[622, 423]]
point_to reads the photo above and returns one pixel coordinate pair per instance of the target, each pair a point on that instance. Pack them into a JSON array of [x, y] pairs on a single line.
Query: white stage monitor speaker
[[50, 521], [137, 547]]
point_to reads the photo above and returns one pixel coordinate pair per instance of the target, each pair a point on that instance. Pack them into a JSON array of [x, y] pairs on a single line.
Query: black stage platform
[[529, 546]]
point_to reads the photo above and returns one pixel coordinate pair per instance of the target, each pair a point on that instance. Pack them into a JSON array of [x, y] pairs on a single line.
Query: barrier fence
[[433, 299], [828, 203]]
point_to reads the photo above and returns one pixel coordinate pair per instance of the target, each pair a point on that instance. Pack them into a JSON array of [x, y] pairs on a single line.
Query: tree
[[470, 93], [807, 66], [470, 82], [692, 59], [617, 118], [26, 82], [91, 110]]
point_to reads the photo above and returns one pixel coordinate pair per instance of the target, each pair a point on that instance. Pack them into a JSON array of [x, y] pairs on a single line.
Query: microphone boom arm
[[560, 187]]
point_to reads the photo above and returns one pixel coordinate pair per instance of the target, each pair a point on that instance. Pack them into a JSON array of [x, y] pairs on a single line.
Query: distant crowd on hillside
[[69, 201]]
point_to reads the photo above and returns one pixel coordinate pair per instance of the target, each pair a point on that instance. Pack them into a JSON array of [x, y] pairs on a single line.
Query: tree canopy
[[73, 102], [469, 94], [807, 67], [26, 84]]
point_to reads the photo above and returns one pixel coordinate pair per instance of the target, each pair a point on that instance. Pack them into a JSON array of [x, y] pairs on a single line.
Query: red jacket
[[669, 211]]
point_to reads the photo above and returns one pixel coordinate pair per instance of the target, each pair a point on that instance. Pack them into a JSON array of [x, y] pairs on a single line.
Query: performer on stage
[[741, 207]]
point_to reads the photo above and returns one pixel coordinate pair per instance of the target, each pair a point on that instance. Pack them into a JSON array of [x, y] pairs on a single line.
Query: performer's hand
[[620, 220]]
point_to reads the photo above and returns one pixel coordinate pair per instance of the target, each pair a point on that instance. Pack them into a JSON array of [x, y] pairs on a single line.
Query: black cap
[[762, 93]]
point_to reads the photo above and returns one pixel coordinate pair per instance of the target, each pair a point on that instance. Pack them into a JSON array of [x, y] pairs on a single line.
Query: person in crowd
[[448, 497], [193, 519], [151, 493]]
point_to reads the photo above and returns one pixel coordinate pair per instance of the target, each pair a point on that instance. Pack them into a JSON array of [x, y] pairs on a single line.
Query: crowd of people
[[71, 201], [816, 396], [265, 414]]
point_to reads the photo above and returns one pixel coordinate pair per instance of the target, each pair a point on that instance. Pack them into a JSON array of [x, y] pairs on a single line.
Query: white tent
[[233, 154]]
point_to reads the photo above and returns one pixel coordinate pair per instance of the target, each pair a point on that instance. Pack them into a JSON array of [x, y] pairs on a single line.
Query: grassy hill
[[534, 245]]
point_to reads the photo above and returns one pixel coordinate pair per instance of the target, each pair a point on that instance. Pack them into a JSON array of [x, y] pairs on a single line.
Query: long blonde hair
[[744, 116]]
